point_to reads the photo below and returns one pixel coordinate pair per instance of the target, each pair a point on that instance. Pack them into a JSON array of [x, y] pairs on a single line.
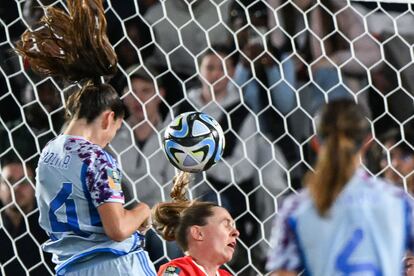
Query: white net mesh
[[282, 59]]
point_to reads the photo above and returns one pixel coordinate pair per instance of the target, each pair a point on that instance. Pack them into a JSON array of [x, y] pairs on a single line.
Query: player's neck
[[83, 129], [210, 267]]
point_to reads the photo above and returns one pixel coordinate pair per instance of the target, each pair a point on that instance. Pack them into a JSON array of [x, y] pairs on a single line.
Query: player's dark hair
[[342, 129], [174, 219], [75, 47]]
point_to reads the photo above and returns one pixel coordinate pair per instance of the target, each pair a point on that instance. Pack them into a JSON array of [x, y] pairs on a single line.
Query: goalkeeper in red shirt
[[205, 231]]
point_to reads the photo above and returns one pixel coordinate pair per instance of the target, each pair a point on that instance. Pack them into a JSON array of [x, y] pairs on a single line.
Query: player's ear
[[107, 118], [196, 233]]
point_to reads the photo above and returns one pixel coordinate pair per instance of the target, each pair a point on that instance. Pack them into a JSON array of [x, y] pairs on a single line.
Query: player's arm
[[120, 223], [104, 182]]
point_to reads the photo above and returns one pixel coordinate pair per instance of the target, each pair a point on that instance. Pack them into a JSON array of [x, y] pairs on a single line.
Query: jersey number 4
[[343, 263], [62, 198]]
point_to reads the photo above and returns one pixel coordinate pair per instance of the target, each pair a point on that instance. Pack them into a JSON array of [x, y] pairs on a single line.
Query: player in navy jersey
[[78, 188], [344, 222]]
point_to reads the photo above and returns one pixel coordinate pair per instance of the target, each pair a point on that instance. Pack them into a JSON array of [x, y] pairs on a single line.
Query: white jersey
[[74, 177], [366, 232]]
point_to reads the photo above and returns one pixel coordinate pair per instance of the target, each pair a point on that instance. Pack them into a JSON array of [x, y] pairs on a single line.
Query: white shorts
[[133, 264]]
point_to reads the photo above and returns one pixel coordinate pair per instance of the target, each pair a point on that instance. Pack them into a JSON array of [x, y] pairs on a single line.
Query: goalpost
[[286, 59]]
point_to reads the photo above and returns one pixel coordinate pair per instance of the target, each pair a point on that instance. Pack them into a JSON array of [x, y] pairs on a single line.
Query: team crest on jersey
[[172, 271], [114, 179]]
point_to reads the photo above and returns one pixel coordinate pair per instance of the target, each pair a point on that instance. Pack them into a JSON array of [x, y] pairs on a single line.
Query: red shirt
[[185, 266]]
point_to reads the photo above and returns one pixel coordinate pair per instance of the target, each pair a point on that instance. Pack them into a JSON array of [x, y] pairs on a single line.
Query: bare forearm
[[120, 223], [134, 218]]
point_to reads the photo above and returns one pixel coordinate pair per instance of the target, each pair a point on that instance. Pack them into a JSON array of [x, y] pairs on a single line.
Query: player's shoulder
[[169, 270], [294, 202], [384, 187], [364, 186], [223, 272], [52, 142], [88, 152], [176, 266]]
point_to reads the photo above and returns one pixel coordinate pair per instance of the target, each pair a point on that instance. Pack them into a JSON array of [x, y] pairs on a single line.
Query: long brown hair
[[173, 219], [342, 129], [75, 47]]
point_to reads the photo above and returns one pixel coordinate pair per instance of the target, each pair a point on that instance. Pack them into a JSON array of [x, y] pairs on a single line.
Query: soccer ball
[[194, 141]]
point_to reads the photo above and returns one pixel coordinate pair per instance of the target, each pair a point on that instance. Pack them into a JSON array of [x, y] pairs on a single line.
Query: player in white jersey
[[344, 222], [78, 188]]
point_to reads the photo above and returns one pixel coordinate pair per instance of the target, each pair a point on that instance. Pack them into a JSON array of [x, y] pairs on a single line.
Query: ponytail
[[173, 219], [166, 215], [343, 128], [72, 46], [75, 47]]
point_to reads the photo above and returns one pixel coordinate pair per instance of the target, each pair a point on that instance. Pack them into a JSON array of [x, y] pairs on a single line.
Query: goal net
[[262, 69]]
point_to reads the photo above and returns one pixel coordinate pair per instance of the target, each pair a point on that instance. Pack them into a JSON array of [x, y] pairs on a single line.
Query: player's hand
[[145, 226]]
